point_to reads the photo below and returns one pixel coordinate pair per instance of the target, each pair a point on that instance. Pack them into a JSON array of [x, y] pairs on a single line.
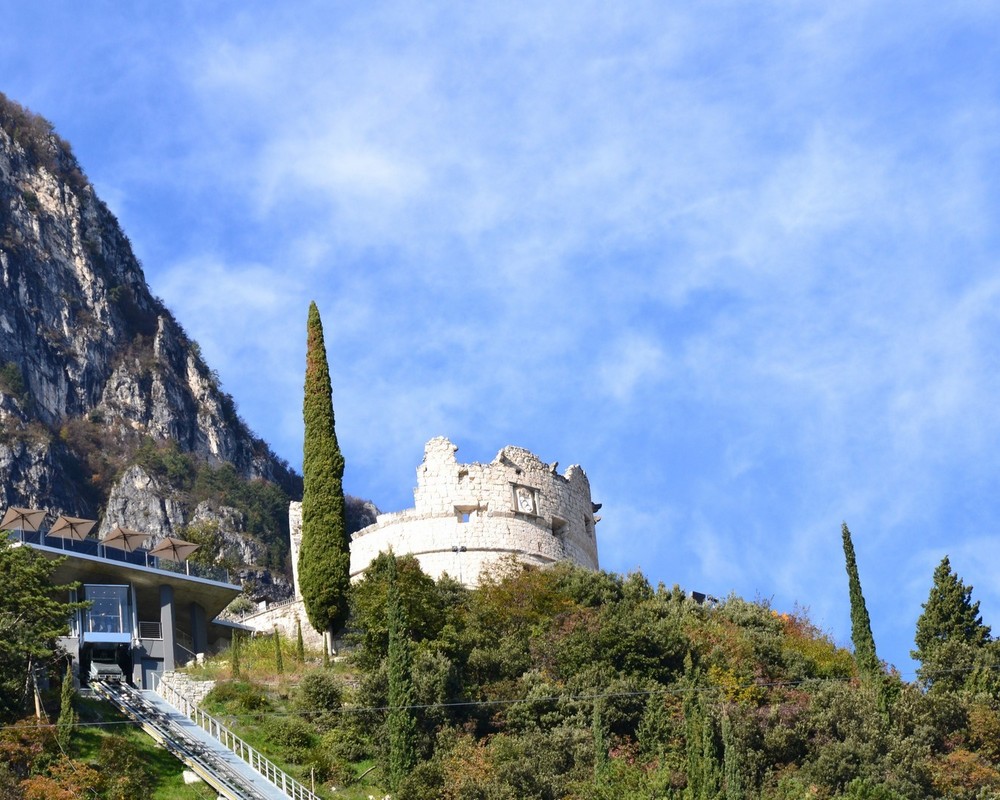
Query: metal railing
[[227, 782], [291, 787], [269, 606], [139, 557]]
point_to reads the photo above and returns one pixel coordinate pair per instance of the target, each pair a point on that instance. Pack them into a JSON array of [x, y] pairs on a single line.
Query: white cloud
[[628, 362], [739, 262]]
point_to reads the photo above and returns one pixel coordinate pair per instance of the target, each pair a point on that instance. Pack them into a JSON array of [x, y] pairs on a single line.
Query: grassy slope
[[168, 781], [258, 665]]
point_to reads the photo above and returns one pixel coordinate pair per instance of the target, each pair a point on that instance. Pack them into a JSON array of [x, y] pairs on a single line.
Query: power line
[[679, 691]]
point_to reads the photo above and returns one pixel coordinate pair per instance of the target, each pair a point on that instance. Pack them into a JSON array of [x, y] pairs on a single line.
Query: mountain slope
[[96, 375]]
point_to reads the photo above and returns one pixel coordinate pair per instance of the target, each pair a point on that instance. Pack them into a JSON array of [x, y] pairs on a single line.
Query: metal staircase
[[219, 766]]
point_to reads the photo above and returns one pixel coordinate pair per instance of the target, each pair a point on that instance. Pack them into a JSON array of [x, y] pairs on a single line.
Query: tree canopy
[[950, 632], [31, 618], [861, 627]]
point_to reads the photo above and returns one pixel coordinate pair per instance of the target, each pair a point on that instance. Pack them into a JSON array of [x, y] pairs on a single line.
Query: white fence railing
[[291, 787]]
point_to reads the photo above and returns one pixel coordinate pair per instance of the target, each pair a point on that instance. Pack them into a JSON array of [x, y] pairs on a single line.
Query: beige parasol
[[174, 549], [124, 539], [72, 528], [22, 519]]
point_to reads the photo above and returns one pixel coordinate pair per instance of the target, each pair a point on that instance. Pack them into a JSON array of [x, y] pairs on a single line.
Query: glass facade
[[108, 612]]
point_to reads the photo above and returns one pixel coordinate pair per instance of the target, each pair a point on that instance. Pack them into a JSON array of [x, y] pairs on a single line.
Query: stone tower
[[467, 516]]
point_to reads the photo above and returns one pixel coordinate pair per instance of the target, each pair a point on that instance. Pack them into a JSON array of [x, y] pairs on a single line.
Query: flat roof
[[212, 595]]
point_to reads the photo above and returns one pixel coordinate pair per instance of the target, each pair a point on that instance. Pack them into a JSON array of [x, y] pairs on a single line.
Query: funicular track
[[212, 764]]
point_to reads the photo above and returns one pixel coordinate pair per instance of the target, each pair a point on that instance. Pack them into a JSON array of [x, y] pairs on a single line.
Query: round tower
[[467, 516]]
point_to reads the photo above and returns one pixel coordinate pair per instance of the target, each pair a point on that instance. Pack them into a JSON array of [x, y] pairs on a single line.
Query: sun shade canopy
[[125, 539], [22, 519], [174, 549], [72, 528]]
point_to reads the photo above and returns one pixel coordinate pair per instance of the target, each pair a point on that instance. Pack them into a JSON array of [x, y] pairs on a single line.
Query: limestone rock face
[[91, 361], [80, 332], [141, 502]]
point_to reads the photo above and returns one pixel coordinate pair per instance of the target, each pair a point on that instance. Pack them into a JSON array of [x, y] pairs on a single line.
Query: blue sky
[[738, 260]]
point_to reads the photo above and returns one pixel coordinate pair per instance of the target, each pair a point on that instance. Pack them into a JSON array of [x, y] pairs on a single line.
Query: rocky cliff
[[106, 404]]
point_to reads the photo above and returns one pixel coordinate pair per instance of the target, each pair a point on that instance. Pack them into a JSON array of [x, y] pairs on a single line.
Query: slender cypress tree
[[950, 632], [600, 742], [734, 756], [324, 556], [711, 758], [234, 655], [865, 656], [300, 645], [279, 664], [67, 715], [401, 724]]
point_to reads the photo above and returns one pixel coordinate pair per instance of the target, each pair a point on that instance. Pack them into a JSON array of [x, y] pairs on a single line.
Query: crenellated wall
[[467, 516]]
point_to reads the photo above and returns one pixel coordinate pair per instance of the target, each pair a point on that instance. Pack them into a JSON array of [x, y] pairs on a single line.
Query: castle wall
[[286, 616], [467, 516]]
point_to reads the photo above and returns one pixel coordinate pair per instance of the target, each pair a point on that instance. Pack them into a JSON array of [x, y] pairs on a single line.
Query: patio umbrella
[[72, 528], [124, 539], [22, 519], [174, 549]]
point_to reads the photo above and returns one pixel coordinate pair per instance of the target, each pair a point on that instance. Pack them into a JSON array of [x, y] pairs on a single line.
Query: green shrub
[[30, 200], [238, 697], [125, 774], [319, 698], [293, 736], [12, 380], [349, 742]]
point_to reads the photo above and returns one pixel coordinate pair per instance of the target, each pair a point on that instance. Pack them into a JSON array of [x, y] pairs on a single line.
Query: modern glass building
[[145, 615]]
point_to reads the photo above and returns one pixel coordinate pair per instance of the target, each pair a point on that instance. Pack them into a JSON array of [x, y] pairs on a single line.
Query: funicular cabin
[[146, 613]]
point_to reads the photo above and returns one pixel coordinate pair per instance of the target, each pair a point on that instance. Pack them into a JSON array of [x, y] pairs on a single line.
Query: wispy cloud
[[738, 262]]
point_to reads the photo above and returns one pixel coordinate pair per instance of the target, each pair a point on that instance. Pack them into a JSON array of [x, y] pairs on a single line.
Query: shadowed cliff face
[[92, 366]]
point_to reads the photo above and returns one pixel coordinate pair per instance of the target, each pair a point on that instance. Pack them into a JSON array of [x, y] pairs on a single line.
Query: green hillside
[[565, 683]]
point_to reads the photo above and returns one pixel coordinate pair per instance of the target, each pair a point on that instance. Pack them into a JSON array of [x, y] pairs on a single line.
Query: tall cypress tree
[[600, 742], [950, 632], [402, 726], [67, 714], [300, 645], [324, 556], [279, 663], [869, 666]]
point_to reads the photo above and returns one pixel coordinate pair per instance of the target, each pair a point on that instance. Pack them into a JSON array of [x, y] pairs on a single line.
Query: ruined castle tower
[[467, 516]]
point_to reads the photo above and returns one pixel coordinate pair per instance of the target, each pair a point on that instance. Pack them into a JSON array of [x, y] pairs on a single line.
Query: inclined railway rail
[[209, 763]]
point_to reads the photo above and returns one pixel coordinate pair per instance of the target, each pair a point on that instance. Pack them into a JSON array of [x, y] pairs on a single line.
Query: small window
[[558, 527], [467, 513]]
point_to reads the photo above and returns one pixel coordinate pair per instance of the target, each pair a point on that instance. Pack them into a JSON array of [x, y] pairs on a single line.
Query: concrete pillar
[[167, 626], [199, 628], [295, 541], [137, 649]]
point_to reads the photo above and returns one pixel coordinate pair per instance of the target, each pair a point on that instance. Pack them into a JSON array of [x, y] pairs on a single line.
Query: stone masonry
[[468, 516]]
